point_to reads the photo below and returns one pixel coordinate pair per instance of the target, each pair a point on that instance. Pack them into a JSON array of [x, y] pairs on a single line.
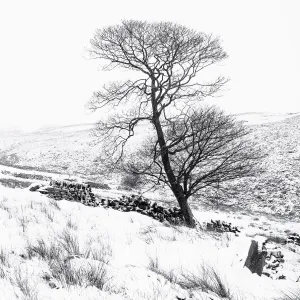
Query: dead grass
[[147, 233], [2, 272], [71, 224], [59, 253], [46, 252], [13, 183], [276, 239], [88, 275], [3, 257], [54, 204], [47, 212], [3, 206], [155, 267], [295, 295], [207, 280], [4, 262], [69, 242], [21, 280], [23, 222]]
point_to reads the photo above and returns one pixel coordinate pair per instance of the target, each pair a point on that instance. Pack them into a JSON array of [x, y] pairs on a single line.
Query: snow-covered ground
[[264, 117], [107, 254], [64, 250], [73, 152]]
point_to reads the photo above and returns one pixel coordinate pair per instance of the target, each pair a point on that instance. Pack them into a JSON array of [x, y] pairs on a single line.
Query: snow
[[143, 255], [130, 242], [264, 118]]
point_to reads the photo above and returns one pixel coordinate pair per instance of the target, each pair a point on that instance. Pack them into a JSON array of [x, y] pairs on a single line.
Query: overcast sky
[[46, 79]]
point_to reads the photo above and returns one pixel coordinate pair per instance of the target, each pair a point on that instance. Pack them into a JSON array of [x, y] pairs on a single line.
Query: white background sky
[[46, 79]]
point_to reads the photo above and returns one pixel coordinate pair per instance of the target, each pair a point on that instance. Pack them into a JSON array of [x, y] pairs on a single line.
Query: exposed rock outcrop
[[265, 259]]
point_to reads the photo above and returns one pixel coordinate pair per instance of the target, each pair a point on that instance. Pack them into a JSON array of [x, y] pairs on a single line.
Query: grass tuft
[[54, 204], [89, 275], [69, 242], [44, 251], [21, 280], [48, 213], [155, 267], [289, 296], [70, 224], [207, 280]]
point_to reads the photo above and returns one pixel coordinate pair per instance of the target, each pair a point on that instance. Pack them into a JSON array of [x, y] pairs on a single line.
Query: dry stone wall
[[293, 239], [63, 190], [221, 227]]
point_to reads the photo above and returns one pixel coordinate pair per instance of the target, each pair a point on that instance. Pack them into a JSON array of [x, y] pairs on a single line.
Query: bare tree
[[206, 148], [167, 58]]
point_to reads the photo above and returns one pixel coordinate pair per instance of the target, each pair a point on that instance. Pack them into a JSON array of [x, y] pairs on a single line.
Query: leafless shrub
[[130, 181]]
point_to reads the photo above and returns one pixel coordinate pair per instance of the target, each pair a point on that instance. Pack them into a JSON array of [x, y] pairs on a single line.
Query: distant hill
[[67, 149], [278, 188], [73, 150]]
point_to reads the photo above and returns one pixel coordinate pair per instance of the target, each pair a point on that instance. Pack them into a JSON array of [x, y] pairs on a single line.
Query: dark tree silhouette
[[166, 58], [206, 148]]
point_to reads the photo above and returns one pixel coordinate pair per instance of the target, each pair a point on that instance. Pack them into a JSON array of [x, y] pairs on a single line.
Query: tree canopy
[[192, 148]]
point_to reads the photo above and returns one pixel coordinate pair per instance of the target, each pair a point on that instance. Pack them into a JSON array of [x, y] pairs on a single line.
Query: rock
[[53, 285], [256, 258], [34, 186]]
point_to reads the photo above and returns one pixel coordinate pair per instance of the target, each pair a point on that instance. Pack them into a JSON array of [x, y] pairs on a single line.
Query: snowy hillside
[[65, 250], [68, 149], [71, 150], [277, 189]]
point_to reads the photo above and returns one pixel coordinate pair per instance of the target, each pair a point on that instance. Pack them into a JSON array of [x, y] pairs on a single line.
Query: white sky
[[45, 79]]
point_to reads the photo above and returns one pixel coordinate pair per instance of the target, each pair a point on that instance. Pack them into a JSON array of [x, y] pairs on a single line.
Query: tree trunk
[[186, 210], [175, 186]]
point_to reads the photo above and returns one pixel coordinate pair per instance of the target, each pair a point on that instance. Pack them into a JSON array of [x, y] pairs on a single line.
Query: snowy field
[[65, 250]]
